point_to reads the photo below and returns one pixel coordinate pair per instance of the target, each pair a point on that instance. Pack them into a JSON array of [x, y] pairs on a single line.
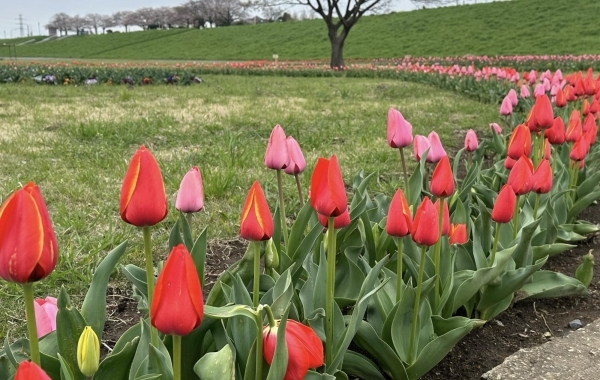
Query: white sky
[[40, 11]]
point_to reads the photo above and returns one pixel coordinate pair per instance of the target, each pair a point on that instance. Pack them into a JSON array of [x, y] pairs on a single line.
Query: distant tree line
[[193, 14]]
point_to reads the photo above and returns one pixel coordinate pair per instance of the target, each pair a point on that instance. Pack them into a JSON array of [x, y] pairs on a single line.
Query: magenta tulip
[[399, 131], [297, 164], [190, 197]]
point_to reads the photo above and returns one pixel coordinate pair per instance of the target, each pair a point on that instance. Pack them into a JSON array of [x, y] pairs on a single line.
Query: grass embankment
[[507, 27], [76, 142]]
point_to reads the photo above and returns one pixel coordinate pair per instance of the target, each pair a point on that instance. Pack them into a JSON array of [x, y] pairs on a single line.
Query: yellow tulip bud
[[88, 352]]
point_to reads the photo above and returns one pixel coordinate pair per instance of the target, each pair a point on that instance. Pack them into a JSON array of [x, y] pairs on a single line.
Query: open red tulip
[[327, 191], [256, 223], [399, 218]]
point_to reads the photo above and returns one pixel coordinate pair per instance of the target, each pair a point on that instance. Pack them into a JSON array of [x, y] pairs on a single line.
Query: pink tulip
[[45, 315], [471, 142], [436, 152], [420, 145], [495, 127], [297, 164], [506, 107], [276, 156], [190, 197], [539, 90], [525, 94], [399, 131], [512, 95]]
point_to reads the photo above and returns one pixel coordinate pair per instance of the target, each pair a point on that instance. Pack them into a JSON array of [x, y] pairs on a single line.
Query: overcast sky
[[40, 11]]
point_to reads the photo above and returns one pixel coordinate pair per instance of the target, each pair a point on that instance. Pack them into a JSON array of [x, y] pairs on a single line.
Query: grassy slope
[[508, 27]]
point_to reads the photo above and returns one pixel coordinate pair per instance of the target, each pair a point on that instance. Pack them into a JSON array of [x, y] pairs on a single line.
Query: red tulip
[[305, 349], [509, 163], [28, 249], [339, 221], [504, 205], [276, 155], [45, 311], [30, 371], [190, 197], [471, 142], [595, 107], [143, 200], [561, 98], [579, 90], [590, 134], [519, 143], [585, 108], [297, 164], [458, 234], [445, 217], [588, 123], [399, 219], [570, 93], [256, 223], [580, 149], [177, 306], [436, 150], [530, 121], [521, 176], [542, 177], [547, 149], [556, 134], [327, 192], [399, 131], [574, 129], [420, 145], [589, 84], [544, 116], [425, 229], [442, 180]]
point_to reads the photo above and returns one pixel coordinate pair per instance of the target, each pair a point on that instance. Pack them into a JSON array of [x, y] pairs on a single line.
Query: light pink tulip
[[547, 85], [399, 131], [506, 106], [190, 197], [276, 155], [496, 127], [297, 163], [512, 95], [45, 315], [471, 142], [539, 90], [420, 145], [525, 94], [436, 152]]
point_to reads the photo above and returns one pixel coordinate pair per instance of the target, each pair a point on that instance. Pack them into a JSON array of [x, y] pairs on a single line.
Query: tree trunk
[[337, 47]]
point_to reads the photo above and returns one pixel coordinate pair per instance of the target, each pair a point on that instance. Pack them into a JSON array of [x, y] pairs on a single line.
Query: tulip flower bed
[[339, 283]]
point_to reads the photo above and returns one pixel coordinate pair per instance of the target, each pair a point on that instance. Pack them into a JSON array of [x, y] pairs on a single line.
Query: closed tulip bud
[[589, 85], [519, 143], [585, 108], [580, 149], [271, 255], [544, 116], [45, 311], [579, 90], [561, 98], [525, 94], [28, 249], [399, 218], [574, 128], [569, 93], [556, 134], [588, 123], [88, 352], [458, 234], [442, 180], [327, 191], [190, 197], [595, 107], [177, 306], [521, 176], [509, 163], [339, 221], [436, 150], [276, 155], [504, 205], [256, 222], [547, 150], [539, 90], [506, 107], [590, 135], [143, 200], [542, 177], [445, 217], [471, 142], [512, 95], [496, 128], [585, 271], [28, 370], [399, 131], [297, 164], [530, 121], [304, 347], [421, 144], [425, 229]]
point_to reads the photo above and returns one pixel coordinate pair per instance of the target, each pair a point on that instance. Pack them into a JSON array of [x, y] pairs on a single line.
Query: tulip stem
[[188, 218], [537, 204], [330, 292], [399, 270], [437, 253], [516, 219], [259, 344], [495, 246], [176, 357], [413, 330], [270, 316], [282, 209], [299, 187], [34, 350], [406, 187], [150, 280], [256, 282]]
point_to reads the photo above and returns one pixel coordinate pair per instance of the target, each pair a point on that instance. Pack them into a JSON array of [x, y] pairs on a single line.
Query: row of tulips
[[400, 267]]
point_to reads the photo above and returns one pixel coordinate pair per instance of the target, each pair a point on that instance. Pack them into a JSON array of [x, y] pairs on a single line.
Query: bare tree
[[230, 11], [107, 22], [62, 22], [78, 24], [124, 18], [339, 16], [438, 3], [94, 21]]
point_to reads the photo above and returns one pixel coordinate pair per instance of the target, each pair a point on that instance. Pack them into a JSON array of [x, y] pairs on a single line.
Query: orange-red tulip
[[589, 84], [544, 116], [445, 217], [458, 234], [504, 205], [256, 223], [30, 371], [519, 143], [442, 180], [425, 229], [339, 221], [143, 200], [547, 149], [561, 98], [521, 176], [580, 149], [556, 134], [399, 219], [588, 123], [177, 306], [585, 108], [327, 191], [305, 349], [542, 177], [574, 129], [590, 134], [509, 163], [28, 249], [570, 93]]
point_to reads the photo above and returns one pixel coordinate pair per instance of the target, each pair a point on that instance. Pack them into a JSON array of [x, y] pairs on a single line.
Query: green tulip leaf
[[550, 250], [348, 281], [137, 276], [117, 366], [546, 284], [312, 375], [159, 362], [367, 339], [582, 227], [242, 327], [360, 366], [297, 231], [151, 376], [588, 185], [581, 204], [69, 326], [415, 182], [198, 253], [175, 237], [276, 237], [6, 368], [216, 365], [65, 370]]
